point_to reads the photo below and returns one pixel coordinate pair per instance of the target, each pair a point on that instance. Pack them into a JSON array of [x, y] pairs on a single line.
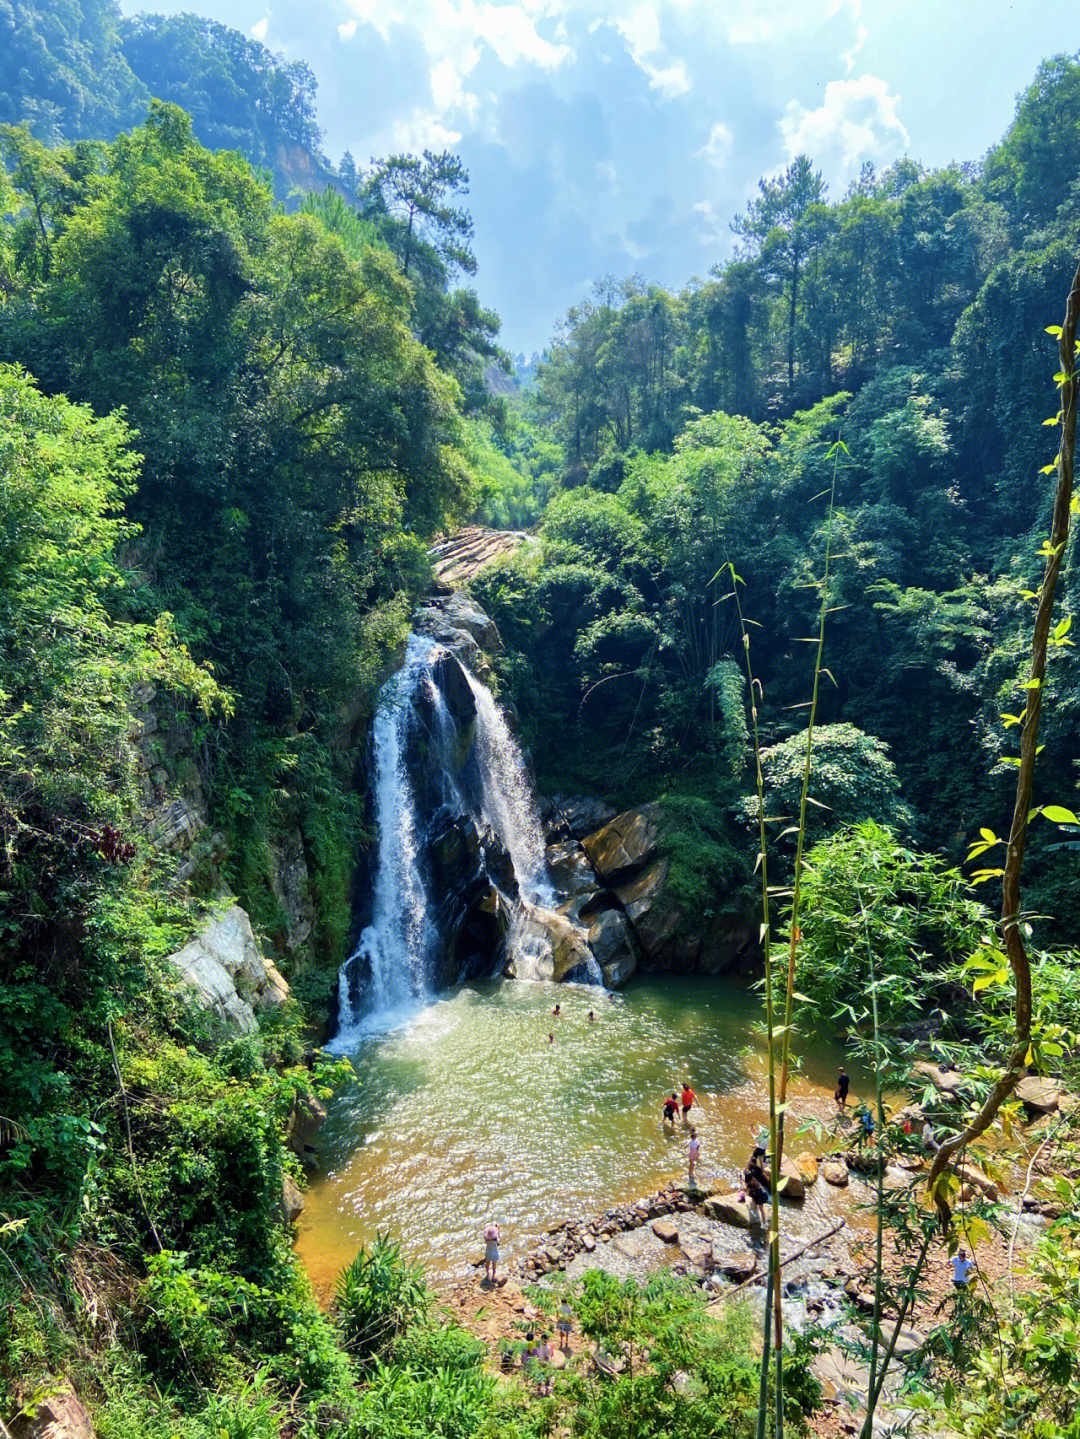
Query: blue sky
[[621, 136]]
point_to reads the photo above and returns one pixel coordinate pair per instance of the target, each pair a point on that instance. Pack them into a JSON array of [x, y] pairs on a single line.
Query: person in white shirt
[[963, 1268], [492, 1239], [693, 1151]]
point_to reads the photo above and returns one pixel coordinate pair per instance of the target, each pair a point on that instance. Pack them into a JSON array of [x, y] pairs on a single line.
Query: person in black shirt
[[843, 1084], [757, 1184]]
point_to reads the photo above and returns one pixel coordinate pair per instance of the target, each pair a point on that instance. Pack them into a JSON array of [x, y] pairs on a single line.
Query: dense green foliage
[[696, 430], [218, 473]]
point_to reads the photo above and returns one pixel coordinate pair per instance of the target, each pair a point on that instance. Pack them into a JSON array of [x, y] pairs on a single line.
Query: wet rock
[[835, 1172], [666, 1230], [465, 614], [696, 1191], [544, 945], [738, 1265], [569, 816], [222, 964], [612, 943], [728, 1209], [909, 1342], [697, 1251], [569, 868], [945, 1081], [1040, 1096], [808, 1166], [306, 1118], [624, 843], [292, 1201], [970, 1174], [842, 1377], [791, 1181]]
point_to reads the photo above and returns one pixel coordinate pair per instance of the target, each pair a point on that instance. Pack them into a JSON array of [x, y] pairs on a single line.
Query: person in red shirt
[[688, 1097]]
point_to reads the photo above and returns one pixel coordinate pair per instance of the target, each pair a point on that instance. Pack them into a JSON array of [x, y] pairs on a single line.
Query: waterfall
[[509, 805], [460, 853], [394, 942]]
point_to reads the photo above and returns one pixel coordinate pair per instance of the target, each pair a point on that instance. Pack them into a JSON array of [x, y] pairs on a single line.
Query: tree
[[62, 70], [782, 228], [852, 779], [411, 199]]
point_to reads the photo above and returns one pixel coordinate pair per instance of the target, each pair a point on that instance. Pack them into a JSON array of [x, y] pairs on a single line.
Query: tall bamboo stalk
[[774, 1299]]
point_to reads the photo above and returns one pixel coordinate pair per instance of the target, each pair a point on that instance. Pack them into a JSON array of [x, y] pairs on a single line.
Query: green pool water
[[466, 1112]]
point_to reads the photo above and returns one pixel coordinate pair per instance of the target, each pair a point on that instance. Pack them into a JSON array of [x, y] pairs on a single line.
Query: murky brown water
[[466, 1112]]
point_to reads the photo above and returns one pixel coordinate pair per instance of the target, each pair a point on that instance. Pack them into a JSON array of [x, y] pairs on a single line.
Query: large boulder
[[945, 1081], [305, 1119], [624, 843], [1041, 1096], [569, 868], [292, 1201], [568, 816], [728, 1209], [792, 1185], [465, 614], [222, 965], [545, 945], [612, 943]]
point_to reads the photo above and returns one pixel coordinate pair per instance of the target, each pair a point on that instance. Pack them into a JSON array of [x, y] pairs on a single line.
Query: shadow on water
[[466, 1111]]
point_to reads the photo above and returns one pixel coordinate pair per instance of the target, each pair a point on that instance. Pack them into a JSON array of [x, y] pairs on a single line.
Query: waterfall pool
[[465, 1112]]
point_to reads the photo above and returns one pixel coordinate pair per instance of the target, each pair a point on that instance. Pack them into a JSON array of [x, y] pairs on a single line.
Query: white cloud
[[348, 29], [717, 147], [641, 31], [862, 34], [260, 28], [423, 130], [856, 121], [710, 229]]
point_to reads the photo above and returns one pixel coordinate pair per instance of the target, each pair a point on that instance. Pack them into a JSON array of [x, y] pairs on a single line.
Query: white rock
[[222, 964]]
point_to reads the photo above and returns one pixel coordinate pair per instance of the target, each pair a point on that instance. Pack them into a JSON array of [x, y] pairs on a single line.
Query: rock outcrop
[[228, 975], [464, 554], [613, 875], [545, 945]]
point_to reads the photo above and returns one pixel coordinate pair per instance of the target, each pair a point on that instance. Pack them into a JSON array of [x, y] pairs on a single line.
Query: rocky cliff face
[[614, 871]]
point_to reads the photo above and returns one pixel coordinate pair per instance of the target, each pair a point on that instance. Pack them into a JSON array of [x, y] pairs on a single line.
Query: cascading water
[[460, 875], [394, 943]]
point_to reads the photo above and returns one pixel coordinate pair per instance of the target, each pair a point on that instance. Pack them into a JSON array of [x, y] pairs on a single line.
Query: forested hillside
[[230, 428], [84, 72], [907, 319]]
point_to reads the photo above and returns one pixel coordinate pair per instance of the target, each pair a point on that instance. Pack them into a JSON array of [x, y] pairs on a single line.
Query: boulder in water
[[612, 944], [728, 1209], [544, 945]]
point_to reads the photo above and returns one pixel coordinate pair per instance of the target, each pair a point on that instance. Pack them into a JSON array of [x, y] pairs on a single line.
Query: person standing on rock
[[693, 1152], [843, 1084], [757, 1184], [492, 1240], [671, 1109], [688, 1097], [564, 1326]]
